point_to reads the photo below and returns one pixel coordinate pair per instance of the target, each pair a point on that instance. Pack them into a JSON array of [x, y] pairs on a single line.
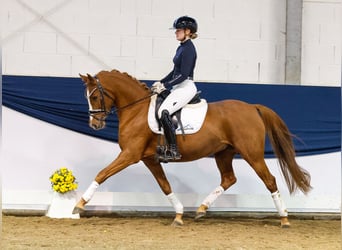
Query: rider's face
[[181, 34]]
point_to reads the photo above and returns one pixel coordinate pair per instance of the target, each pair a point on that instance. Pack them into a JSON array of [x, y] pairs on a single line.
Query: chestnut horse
[[230, 127]]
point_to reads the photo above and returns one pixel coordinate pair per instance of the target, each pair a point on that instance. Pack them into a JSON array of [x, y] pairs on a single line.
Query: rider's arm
[[168, 77]]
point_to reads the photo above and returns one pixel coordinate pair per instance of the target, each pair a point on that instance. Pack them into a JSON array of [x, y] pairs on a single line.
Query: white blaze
[[89, 104]]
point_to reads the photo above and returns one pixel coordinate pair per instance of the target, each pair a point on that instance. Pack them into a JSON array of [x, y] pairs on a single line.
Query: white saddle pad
[[192, 117]]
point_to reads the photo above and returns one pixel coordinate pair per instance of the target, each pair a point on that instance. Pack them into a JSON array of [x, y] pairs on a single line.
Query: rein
[[133, 103], [104, 93]]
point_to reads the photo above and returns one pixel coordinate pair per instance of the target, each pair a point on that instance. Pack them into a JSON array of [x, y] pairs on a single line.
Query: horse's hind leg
[[224, 161], [158, 173], [269, 180]]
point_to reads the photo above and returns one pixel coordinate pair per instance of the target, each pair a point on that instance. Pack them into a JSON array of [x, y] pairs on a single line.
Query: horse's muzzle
[[97, 125], [97, 122]]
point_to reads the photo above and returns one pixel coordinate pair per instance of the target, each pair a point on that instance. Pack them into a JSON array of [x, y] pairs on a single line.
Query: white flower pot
[[62, 205]]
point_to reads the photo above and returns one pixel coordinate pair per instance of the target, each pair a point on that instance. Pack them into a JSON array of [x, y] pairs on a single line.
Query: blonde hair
[[193, 35]]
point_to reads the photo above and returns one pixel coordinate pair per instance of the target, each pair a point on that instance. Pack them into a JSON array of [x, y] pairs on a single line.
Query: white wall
[[239, 40], [322, 40]]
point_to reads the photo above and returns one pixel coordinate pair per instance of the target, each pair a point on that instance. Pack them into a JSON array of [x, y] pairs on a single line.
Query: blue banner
[[313, 114]]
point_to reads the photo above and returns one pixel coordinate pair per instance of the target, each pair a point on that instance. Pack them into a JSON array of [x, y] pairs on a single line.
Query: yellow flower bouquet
[[62, 181]]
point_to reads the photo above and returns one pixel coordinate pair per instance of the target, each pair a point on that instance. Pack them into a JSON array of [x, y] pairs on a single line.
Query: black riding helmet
[[185, 22]]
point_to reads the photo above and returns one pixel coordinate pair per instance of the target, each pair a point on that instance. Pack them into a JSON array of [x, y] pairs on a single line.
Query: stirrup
[[166, 154]]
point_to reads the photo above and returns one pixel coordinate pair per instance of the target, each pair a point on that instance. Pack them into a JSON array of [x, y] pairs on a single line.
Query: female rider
[[179, 81]]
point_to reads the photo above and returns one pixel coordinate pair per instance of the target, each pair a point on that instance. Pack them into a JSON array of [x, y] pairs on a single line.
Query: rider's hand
[[157, 87]]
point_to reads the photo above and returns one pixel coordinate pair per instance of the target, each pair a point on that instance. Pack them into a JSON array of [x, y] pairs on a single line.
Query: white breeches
[[180, 95]]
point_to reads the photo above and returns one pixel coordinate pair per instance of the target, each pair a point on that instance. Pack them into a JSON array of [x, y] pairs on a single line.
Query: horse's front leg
[[122, 161], [158, 173]]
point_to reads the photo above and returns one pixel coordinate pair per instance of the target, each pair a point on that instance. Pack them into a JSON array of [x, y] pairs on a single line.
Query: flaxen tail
[[281, 140]]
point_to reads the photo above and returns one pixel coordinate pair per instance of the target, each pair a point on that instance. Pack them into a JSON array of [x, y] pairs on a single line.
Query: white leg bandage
[[209, 200], [278, 202], [90, 191], [178, 206]]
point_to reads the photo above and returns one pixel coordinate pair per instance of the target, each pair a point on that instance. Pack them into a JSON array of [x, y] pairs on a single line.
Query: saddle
[[191, 115], [175, 117]]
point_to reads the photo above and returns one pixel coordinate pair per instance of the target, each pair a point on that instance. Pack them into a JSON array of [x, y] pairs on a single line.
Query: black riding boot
[[171, 152]]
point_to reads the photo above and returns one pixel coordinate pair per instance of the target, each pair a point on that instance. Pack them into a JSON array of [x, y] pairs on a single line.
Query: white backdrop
[[239, 40], [33, 149]]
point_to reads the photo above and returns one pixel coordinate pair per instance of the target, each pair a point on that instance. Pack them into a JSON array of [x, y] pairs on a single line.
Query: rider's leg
[[170, 137], [180, 95]]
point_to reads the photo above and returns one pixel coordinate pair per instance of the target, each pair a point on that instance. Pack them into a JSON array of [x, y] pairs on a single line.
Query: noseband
[[103, 109], [103, 93]]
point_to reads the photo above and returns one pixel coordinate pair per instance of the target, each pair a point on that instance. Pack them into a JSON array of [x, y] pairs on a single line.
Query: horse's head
[[100, 102]]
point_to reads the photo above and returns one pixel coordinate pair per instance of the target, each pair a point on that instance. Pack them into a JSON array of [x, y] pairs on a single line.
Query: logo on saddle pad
[[192, 117]]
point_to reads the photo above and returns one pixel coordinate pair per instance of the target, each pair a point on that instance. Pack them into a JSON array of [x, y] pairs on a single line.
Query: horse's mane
[[125, 74]]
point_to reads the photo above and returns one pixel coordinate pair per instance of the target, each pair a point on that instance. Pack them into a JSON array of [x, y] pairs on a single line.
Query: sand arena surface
[[40, 232]]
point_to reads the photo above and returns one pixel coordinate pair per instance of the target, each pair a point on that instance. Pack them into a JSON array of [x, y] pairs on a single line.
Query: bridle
[[103, 109]]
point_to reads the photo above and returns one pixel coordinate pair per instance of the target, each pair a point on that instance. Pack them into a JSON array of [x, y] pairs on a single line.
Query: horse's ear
[[84, 78], [87, 79]]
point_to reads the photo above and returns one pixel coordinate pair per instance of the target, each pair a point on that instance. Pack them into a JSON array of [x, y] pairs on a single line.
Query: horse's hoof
[[199, 215], [78, 210], [177, 223], [284, 223]]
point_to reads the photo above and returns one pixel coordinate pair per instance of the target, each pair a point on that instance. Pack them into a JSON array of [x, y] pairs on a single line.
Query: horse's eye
[[94, 98]]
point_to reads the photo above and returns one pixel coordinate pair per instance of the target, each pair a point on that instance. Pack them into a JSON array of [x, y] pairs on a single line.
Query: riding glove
[[157, 87]]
